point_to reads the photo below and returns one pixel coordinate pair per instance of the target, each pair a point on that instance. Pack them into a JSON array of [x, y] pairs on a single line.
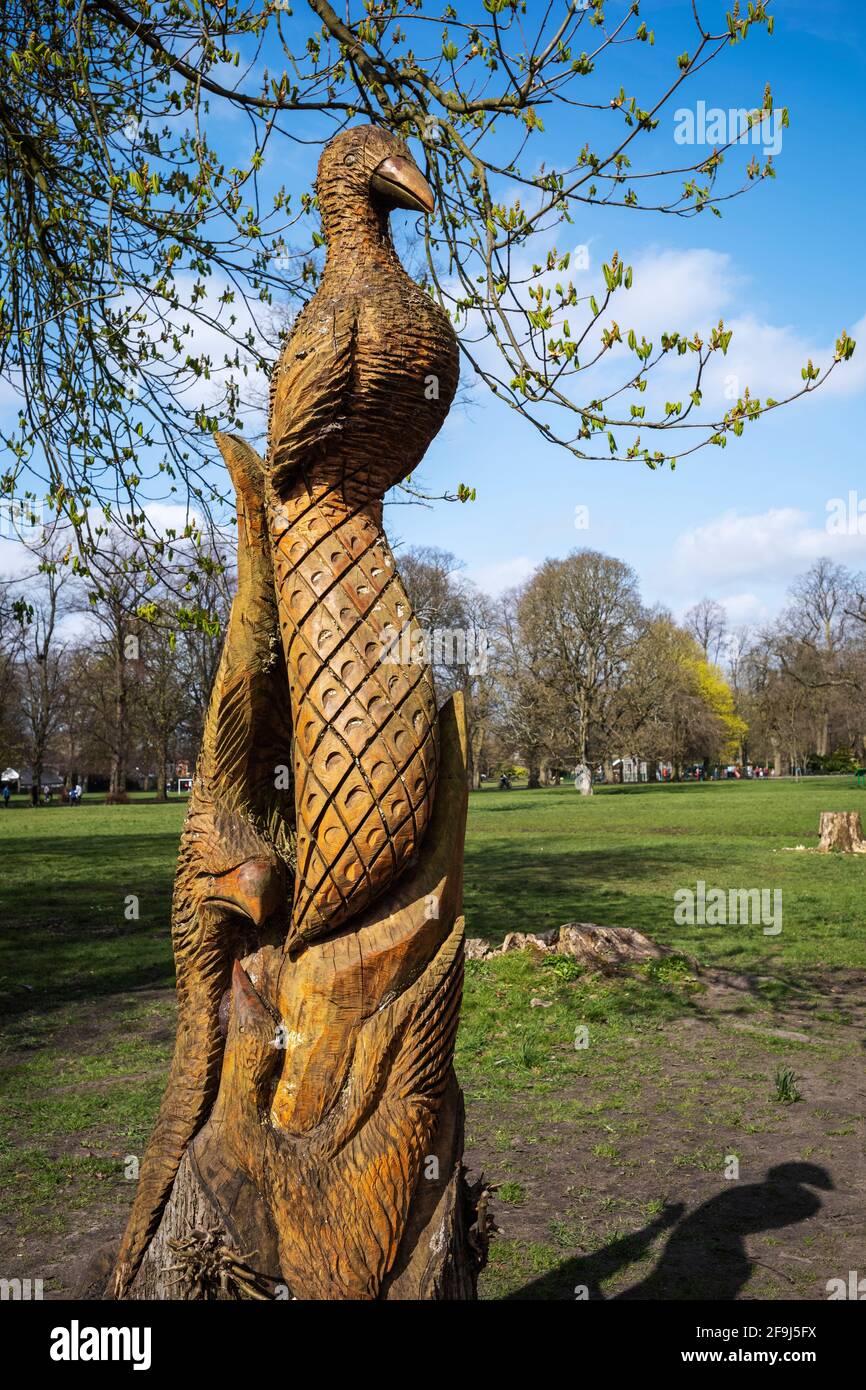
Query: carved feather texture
[[339, 1195]]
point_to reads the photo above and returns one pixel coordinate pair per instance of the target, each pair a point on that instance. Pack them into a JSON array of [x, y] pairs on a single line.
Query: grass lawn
[[610, 1160]]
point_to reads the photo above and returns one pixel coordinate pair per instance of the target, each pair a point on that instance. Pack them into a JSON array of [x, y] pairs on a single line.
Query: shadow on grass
[[67, 936], [509, 888], [705, 1256], [104, 854]]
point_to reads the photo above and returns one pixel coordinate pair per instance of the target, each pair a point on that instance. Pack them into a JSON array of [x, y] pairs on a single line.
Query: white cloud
[[770, 546], [499, 575], [163, 515], [691, 291], [745, 610], [678, 291], [769, 359], [15, 560]]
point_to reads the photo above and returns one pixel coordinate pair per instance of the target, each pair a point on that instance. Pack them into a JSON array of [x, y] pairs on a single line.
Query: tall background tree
[[708, 624], [792, 695], [458, 622], [41, 667], [588, 618]]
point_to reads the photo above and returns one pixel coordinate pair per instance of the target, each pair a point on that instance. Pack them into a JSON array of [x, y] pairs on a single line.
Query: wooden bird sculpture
[[320, 1145], [363, 385]]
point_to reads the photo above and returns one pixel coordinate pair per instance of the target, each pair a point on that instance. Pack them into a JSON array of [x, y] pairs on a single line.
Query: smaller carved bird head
[[367, 170]]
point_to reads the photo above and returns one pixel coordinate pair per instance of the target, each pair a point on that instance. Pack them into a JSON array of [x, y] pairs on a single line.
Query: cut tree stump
[[583, 779], [842, 831], [599, 948]]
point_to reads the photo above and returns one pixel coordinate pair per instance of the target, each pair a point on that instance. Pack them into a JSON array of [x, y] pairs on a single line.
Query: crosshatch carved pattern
[[365, 750]]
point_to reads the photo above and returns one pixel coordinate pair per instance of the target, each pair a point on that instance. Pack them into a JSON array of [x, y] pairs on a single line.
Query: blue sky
[[783, 267], [739, 523]]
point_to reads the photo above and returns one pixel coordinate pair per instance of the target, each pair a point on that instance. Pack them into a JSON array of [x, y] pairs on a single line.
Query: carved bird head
[[364, 173]]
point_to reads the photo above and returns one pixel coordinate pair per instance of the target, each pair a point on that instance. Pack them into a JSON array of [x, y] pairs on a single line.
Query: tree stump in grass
[[598, 948], [583, 779], [842, 831]]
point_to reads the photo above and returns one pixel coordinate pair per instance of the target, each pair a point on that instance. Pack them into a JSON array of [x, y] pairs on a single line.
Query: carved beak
[[253, 890], [401, 182]]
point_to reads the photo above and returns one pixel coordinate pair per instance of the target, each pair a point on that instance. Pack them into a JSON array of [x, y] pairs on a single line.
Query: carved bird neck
[[358, 236]]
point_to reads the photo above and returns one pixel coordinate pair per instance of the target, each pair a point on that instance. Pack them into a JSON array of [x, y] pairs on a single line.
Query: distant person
[[6, 794], [504, 783]]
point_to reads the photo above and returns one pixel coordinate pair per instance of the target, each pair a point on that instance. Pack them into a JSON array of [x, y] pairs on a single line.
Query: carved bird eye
[[350, 159]]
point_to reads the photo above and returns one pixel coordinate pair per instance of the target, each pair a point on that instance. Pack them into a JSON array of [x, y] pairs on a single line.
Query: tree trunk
[[117, 767], [842, 831], [476, 744], [365, 1199], [216, 1241], [161, 764], [534, 780], [824, 737]]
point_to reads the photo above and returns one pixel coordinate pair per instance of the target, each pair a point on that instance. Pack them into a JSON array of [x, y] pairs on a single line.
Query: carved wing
[[311, 392]]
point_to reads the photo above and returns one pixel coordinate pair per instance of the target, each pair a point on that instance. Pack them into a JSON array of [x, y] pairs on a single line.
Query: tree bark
[[216, 1241], [824, 736], [476, 744], [117, 768], [161, 764], [287, 1212], [842, 831]]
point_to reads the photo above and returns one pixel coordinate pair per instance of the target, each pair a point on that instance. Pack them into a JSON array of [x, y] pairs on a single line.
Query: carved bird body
[[363, 385]]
